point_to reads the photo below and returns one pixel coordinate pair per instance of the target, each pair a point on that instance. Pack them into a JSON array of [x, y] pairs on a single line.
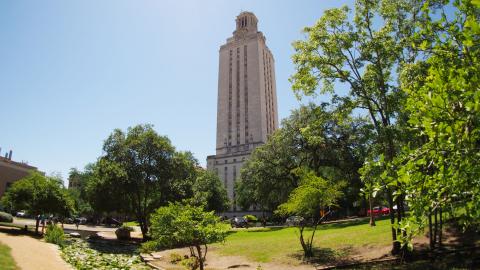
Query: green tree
[[78, 181], [39, 195], [442, 172], [310, 199], [334, 148], [139, 172], [365, 55], [179, 225], [209, 192]]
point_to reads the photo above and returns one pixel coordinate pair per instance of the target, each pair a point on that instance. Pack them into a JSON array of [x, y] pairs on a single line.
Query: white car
[[20, 214]]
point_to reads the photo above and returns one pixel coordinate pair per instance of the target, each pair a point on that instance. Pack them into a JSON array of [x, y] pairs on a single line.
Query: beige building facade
[[247, 100], [11, 171]]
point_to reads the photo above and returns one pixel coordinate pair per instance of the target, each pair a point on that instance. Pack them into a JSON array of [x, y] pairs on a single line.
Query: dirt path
[[33, 254]]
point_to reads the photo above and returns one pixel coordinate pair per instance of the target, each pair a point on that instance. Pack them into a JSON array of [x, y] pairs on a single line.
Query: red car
[[379, 210]]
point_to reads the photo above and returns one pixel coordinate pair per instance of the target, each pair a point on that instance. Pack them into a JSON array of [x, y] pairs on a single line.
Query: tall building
[[247, 100]]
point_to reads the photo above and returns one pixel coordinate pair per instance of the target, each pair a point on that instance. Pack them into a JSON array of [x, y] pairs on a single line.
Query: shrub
[[55, 235], [123, 233], [251, 218], [175, 258], [6, 217], [191, 263]]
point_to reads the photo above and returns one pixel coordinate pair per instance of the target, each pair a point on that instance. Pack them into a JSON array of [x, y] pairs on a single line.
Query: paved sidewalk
[[33, 254]]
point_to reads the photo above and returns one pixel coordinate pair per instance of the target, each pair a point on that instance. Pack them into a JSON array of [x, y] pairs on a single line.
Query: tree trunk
[[440, 233], [435, 228], [396, 244], [37, 224], [200, 258], [430, 230], [306, 251], [143, 227], [372, 219]]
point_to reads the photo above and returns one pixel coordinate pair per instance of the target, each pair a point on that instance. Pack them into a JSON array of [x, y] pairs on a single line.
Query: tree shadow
[[324, 256], [16, 230], [256, 230], [113, 246]]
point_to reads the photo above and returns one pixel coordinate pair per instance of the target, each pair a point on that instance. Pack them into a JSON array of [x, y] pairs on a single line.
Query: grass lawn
[[6, 260], [283, 245], [131, 223]]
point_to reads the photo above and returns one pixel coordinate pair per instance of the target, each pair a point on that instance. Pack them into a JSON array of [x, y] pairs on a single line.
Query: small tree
[[39, 195], [179, 225], [310, 200], [209, 192]]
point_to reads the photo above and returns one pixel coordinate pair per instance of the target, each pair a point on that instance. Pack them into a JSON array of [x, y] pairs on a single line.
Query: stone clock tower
[[247, 100]]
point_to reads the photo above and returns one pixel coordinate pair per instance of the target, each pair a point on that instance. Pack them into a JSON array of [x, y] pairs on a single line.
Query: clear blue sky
[[72, 71]]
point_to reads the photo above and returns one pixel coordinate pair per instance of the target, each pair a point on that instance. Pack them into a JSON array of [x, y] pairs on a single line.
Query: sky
[[73, 71]]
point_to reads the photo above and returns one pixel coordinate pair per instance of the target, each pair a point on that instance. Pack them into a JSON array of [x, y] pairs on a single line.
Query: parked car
[[294, 221], [21, 214], [239, 222], [80, 220], [68, 220], [379, 211]]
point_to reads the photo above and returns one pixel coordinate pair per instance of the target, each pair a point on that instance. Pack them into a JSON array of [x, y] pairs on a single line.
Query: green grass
[[283, 245], [6, 260], [130, 223]]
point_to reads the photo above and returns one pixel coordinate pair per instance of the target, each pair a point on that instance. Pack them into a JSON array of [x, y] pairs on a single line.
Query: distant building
[[11, 171], [247, 101]]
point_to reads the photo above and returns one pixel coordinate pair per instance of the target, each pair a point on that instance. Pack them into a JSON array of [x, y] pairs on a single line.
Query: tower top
[[246, 22]]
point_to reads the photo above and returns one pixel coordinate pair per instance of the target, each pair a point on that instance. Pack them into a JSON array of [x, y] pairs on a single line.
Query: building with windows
[[247, 100], [11, 171]]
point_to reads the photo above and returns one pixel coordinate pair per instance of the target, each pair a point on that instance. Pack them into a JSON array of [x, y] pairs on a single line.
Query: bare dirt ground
[[217, 262], [31, 253]]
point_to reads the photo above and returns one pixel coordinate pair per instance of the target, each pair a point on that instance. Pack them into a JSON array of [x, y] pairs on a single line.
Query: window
[[225, 177]]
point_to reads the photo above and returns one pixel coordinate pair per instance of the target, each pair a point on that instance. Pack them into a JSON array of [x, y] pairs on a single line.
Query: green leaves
[[39, 195], [140, 171], [179, 225], [312, 194]]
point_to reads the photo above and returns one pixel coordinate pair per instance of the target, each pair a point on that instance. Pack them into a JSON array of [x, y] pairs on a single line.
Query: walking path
[[33, 254]]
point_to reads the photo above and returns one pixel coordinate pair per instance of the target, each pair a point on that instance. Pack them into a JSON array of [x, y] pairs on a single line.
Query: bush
[[6, 217], [123, 233], [175, 258], [190, 263], [251, 218], [55, 235]]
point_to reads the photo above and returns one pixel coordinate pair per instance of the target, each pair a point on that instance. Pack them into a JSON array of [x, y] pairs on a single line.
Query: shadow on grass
[[326, 256], [256, 230]]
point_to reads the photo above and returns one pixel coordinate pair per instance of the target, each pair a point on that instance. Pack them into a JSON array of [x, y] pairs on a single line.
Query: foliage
[[251, 218], [190, 263], [209, 191], [313, 195], [365, 55], [6, 260], [82, 256], [39, 195], [78, 189], [55, 235], [6, 217], [142, 170], [175, 257], [441, 172], [311, 137], [178, 225]]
